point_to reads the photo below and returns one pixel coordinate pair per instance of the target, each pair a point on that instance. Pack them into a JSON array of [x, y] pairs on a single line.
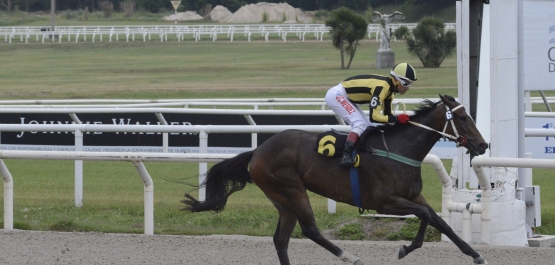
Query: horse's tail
[[223, 179]]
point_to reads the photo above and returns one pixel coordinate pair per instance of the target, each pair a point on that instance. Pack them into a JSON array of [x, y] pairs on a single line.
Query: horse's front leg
[[399, 206], [445, 229]]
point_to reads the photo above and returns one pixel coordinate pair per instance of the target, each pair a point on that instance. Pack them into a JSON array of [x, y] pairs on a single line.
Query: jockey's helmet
[[404, 73]]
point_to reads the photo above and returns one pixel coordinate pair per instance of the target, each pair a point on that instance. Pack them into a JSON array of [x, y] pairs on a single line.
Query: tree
[[347, 28], [401, 33], [7, 4], [154, 6], [431, 43]]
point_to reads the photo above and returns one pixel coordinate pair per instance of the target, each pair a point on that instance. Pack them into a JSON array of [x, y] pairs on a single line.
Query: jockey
[[378, 91]]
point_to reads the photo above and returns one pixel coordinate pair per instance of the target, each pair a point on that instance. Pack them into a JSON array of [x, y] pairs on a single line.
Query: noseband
[[459, 139]]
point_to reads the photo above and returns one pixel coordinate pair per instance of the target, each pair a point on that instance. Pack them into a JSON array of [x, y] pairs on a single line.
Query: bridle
[[459, 139]]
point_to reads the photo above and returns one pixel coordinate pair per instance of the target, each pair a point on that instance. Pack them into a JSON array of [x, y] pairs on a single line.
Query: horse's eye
[[462, 118]]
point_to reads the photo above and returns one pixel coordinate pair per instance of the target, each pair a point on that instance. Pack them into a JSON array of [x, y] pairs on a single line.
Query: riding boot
[[347, 159]]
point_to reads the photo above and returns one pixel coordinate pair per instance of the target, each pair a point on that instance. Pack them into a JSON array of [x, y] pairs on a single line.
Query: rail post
[[148, 196], [202, 167], [78, 170], [8, 196]]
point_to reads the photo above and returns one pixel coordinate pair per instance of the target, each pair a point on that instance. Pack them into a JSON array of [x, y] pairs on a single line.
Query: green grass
[[113, 200], [544, 179], [191, 69]]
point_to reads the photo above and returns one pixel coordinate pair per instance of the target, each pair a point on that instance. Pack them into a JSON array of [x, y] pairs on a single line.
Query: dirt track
[[32, 247]]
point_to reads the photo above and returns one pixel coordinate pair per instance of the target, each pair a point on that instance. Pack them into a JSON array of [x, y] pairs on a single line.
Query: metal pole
[[52, 15], [202, 167], [8, 196], [165, 138], [78, 170], [545, 101], [148, 195]]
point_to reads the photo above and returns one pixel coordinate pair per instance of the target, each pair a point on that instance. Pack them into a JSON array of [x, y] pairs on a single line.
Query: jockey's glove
[[403, 118]]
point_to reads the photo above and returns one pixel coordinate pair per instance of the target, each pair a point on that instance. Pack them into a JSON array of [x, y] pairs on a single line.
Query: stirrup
[[347, 162]]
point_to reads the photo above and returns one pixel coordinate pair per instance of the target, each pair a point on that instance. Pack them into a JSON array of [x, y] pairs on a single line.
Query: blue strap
[[355, 187]]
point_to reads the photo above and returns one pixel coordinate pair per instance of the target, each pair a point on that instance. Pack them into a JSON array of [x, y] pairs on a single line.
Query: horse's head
[[462, 126]]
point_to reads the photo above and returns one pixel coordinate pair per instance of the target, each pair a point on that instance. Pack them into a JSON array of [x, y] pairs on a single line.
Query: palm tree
[[347, 28], [431, 43]]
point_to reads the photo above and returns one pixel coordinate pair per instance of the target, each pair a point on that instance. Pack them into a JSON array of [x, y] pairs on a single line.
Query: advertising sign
[[539, 45], [229, 143], [141, 141], [540, 147]]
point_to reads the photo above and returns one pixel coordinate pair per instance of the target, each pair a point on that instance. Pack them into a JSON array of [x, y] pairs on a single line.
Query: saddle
[[332, 143]]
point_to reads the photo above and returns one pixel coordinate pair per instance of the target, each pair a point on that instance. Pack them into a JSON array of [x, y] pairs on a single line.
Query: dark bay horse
[[287, 165]]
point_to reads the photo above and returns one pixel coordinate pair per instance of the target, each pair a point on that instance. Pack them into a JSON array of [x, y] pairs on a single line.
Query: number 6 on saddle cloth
[[332, 143]]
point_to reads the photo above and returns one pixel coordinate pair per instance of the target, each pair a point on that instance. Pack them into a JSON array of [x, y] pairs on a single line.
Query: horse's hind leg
[[445, 229], [298, 209], [286, 224], [305, 215]]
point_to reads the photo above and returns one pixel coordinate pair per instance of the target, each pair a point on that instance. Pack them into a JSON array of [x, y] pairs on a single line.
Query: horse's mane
[[424, 107]]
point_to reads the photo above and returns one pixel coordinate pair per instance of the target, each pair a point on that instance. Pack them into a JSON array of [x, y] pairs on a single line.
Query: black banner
[[147, 139]]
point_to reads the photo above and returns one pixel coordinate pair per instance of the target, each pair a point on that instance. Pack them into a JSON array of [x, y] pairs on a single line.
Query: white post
[[149, 197], [483, 121], [504, 79], [52, 16], [466, 225], [463, 53], [78, 170], [331, 206], [486, 215], [254, 136], [165, 136], [165, 142], [202, 167], [8, 196]]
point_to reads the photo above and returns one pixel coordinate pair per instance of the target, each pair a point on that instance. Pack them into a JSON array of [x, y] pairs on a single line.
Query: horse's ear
[[442, 98]]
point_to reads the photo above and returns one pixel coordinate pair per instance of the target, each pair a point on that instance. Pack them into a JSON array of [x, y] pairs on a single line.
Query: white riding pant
[[352, 114]]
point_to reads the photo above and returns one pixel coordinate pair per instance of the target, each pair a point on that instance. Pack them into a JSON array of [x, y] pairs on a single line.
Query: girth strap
[[396, 157]]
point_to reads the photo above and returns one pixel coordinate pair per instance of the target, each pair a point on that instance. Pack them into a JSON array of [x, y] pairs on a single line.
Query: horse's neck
[[435, 120], [416, 142]]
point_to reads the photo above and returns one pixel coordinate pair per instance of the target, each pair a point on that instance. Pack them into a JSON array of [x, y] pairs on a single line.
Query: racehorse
[[286, 165]]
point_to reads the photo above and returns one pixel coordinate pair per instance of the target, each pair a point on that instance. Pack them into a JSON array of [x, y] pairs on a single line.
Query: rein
[[459, 139]]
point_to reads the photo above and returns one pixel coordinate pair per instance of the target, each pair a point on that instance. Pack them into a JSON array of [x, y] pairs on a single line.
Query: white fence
[[254, 103], [484, 208], [136, 158], [178, 32], [160, 32]]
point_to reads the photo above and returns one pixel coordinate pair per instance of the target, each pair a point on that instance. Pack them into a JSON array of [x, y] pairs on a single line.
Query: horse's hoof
[[480, 260], [402, 252], [359, 262]]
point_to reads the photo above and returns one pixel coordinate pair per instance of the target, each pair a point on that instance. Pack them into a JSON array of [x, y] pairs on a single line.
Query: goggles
[[404, 82]]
